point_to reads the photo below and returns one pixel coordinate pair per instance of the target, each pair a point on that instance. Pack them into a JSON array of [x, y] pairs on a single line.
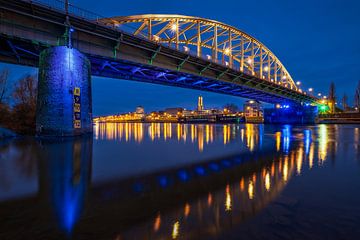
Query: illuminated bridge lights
[[209, 39]]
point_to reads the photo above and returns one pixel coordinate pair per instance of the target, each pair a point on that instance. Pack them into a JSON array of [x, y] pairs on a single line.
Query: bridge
[[69, 44]]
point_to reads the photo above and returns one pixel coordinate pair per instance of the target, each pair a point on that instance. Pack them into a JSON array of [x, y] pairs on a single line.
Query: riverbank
[[339, 118]]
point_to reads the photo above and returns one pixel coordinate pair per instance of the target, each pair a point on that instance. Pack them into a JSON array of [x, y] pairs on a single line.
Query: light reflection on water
[[213, 198], [202, 134]]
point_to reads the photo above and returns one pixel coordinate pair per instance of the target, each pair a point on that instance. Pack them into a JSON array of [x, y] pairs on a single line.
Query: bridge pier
[[64, 102]]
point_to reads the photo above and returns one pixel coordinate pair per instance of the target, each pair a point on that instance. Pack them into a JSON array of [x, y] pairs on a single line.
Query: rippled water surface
[[184, 181]]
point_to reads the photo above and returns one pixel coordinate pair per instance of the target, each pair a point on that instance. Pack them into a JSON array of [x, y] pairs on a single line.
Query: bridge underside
[[26, 29], [17, 51]]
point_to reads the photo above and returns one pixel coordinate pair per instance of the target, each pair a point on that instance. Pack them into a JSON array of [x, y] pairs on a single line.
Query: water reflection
[[193, 200], [202, 134], [63, 169]]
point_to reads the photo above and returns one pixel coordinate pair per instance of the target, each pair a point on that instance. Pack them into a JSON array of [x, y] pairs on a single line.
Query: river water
[[184, 181]]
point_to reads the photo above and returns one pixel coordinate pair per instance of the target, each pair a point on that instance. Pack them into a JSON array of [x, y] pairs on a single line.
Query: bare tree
[[332, 94], [4, 75], [344, 102], [357, 97], [23, 113], [332, 97], [26, 91]]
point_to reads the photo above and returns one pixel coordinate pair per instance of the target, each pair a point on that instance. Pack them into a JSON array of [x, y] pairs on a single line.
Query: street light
[[310, 89], [298, 83], [319, 94]]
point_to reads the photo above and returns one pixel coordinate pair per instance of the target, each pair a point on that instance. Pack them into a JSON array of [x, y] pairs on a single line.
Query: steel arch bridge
[[209, 39], [174, 50]]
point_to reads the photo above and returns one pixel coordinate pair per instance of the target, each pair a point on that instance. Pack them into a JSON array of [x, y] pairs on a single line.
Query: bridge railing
[[60, 5]]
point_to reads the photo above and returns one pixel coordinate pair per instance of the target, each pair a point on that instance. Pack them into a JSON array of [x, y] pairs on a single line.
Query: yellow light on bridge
[[227, 51], [249, 61], [156, 38], [174, 27], [266, 68]]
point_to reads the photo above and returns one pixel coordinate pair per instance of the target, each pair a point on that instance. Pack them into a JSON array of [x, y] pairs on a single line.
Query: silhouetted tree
[[23, 114], [231, 107], [357, 97], [4, 107], [344, 102], [4, 75], [332, 97]]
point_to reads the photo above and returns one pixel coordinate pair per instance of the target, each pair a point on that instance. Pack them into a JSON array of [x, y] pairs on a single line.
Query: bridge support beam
[[64, 102]]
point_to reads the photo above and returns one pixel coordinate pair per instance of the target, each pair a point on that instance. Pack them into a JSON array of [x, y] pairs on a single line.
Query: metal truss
[[145, 73], [208, 39]]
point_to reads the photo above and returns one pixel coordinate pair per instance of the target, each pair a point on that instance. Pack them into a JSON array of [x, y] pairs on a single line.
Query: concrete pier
[[64, 102]]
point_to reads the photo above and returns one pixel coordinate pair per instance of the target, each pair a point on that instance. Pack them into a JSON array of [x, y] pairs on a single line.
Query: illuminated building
[[253, 111], [200, 104]]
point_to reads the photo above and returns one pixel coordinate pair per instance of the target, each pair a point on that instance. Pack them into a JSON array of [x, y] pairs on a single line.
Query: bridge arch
[[209, 39]]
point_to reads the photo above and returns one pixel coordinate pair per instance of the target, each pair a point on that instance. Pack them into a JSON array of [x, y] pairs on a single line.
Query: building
[[175, 111], [200, 104], [253, 111], [139, 110]]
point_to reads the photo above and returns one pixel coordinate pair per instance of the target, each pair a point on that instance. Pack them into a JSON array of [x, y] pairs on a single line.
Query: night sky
[[317, 41]]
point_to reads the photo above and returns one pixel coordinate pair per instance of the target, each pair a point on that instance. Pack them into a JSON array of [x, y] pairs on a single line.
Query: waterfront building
[[253, 111]]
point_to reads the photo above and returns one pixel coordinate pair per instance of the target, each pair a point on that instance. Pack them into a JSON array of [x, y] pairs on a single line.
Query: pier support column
[[64, 103]]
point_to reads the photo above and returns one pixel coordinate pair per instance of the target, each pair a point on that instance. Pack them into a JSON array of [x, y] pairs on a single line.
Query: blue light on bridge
[[183, 175], [163, 181], [226, 163], [214, 167], [200, 171]]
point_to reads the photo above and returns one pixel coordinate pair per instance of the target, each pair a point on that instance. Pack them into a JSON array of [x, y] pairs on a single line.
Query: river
[[184, 181]]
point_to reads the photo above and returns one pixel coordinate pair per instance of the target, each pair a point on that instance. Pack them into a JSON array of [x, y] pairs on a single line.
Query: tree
[[357, 97], [23, 114], [231, 107], [4, 75], [332, 97], [344, 102], [4, 107], [26, 91]]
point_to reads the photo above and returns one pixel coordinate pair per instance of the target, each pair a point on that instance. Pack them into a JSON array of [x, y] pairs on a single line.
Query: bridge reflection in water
[[187, 202]]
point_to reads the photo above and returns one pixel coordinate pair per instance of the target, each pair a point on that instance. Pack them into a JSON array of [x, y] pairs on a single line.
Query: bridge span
[[173, 50]]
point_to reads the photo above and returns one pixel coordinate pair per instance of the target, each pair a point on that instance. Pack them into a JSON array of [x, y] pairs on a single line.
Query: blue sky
[[317, 41]]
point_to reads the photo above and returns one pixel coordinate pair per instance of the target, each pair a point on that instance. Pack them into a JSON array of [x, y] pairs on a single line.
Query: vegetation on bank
[[18, 103]]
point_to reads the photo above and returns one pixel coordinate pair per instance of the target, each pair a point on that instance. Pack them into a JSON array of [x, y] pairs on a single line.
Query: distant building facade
[[253, 111]]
